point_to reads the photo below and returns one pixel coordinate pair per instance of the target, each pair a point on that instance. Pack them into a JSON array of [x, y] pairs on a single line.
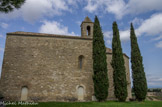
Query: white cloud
[[153, 80], [32, 10], [149, 27], [108, 34], [159, 44], [4, 25], [112, 6], [120, 8], [142, 6], [54, 27], [116, 7], [92, 5], [137, 21], [74, 2], [108, 37], [125, 35], [108, 41], [35, 9], [1, 36], [157, 38]]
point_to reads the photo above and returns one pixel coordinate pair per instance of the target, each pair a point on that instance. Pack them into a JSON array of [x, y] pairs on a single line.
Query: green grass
[[97, 104]]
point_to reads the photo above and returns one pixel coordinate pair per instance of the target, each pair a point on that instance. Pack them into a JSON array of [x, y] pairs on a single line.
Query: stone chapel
[[49, 67]]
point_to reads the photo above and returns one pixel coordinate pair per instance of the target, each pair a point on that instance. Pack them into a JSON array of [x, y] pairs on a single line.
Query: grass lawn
[[97, 104]]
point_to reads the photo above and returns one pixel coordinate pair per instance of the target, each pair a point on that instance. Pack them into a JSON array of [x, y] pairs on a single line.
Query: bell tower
[[87, 28]]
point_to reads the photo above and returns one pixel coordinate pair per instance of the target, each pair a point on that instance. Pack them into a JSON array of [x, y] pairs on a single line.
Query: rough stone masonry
[[49, 67]]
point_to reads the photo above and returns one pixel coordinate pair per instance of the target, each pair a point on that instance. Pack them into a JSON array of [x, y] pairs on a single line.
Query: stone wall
[[154, 93], [126, 60], [110, 75], [48, 65]]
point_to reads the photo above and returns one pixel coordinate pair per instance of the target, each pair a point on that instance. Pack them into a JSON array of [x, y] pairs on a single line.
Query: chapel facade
[[49, 67]]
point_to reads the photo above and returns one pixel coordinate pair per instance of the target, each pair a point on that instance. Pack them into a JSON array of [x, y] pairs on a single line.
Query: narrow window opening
[[88, 30], [81, 61]]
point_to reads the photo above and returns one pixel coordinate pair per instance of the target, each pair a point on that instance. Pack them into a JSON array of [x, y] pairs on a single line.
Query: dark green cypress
[[138, 74], [119, 74], [100, 77]]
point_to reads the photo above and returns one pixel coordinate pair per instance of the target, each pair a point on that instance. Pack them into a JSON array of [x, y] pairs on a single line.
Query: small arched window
[[24, 93], [80, 64], [88, 30]]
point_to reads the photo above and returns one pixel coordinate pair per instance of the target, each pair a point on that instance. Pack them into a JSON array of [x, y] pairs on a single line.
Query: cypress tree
[[138, 74], [100, 77], [119, 74]]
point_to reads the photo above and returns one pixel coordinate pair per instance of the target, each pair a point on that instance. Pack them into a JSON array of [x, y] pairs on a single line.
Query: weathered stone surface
[[48, 65]]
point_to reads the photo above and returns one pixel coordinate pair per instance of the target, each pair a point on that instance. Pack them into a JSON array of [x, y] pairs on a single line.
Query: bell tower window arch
[[88, 30]]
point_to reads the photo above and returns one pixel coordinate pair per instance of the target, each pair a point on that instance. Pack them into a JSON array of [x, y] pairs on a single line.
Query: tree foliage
[[9, 5], [138, 74], [119, 74], [100, 77]]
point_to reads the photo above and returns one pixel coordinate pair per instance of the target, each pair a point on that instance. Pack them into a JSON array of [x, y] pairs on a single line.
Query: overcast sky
[[65, 17]]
